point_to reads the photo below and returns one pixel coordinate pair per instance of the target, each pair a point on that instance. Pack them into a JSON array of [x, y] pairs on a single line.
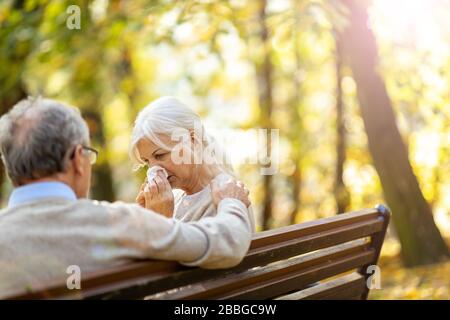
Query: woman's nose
[[152, 163]]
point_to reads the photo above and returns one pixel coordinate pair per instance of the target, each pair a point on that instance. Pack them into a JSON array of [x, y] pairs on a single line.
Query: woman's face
[[180, 175]]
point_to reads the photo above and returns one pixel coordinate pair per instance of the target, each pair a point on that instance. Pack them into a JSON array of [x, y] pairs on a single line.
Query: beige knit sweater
[[40, 240]]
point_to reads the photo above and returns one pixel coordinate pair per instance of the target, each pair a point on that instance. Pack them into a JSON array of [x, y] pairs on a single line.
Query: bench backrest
[[321, 259]]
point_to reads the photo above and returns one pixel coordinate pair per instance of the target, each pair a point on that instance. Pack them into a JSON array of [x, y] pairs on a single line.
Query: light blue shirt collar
[[39, 190]]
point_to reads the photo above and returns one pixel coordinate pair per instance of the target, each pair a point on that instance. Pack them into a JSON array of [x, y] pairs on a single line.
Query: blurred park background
[[359, 90]]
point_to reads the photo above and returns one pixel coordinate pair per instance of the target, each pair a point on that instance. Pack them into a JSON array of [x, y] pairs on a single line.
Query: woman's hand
[[157, 195]]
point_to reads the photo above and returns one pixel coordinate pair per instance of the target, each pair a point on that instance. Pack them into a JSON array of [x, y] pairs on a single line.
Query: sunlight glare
[[409, 22]]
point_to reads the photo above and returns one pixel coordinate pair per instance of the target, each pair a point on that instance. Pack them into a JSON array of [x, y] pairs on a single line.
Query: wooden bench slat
[[276, 287], [259, 240], [349, 286], [285, 233], [248, 280], [303, 244], [260, 256]]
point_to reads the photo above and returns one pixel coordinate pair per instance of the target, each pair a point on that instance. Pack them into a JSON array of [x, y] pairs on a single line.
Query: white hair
[[166, 116]]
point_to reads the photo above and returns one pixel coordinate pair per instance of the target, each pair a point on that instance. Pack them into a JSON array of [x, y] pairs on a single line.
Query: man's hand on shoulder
[[229, 188]]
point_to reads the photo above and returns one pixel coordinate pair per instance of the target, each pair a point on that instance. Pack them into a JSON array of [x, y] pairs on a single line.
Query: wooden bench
[[322, 259]]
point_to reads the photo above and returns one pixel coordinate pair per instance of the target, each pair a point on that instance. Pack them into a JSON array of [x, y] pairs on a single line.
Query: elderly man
[[49, 223]]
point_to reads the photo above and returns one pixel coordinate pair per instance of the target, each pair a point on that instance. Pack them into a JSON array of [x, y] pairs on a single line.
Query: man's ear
[[78, 160]]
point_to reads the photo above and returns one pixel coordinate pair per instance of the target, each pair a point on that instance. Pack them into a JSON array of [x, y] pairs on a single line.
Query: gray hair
[[35, 137]]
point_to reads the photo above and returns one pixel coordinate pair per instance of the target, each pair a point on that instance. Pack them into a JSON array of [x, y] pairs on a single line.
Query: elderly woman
[[189, 165]]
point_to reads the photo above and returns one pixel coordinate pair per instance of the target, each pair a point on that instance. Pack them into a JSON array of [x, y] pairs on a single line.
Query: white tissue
[[151, 172]]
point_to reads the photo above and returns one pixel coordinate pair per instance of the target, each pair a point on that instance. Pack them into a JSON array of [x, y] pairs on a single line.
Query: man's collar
[[40, 190]]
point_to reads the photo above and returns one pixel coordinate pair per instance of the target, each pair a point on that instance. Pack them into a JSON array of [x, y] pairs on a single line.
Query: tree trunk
[[296, 189], [341, 193], [297, 128], [264, 77], [421, 241], [102, 183], [10, 95]]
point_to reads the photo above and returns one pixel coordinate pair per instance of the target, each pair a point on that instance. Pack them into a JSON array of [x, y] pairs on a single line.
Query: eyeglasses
[[88, 151], [91, 153]]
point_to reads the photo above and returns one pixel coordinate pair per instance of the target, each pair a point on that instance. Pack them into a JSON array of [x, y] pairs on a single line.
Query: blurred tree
[[341, 193], [265, 98], [296, 130], [16, 36], [275, 62], [102, 183], [421, 241], [27, 28]]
